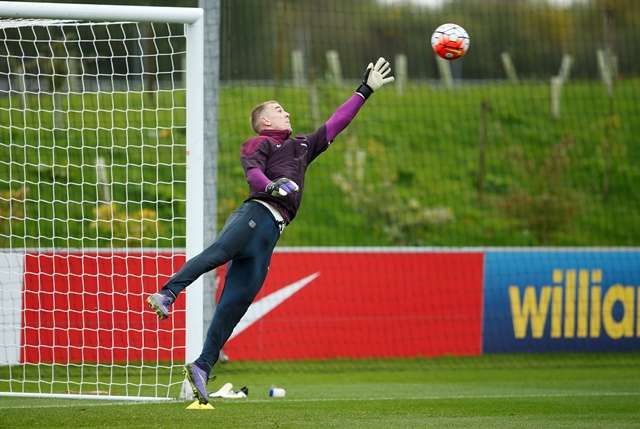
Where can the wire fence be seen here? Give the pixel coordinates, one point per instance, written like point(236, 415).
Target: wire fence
point(527, 140)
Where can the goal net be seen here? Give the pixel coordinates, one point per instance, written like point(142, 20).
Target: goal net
point(95, 115)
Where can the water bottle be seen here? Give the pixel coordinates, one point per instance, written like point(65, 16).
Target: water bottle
point(277, 392)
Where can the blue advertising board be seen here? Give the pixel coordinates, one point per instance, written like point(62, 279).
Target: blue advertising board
point(558, 300)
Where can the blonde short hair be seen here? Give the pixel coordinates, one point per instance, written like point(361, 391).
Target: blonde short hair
point(257, 112)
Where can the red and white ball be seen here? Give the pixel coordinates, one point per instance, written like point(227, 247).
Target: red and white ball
point(450, 41)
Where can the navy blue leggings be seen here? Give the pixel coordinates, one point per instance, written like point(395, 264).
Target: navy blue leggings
point(247, 240)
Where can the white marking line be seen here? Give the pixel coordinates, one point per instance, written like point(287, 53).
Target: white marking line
point(444, 397)
point(411, 398)
point(78, 404)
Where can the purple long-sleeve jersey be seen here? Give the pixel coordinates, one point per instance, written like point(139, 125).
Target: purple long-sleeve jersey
point(274, 154)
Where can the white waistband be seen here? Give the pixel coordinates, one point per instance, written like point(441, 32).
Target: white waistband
point(274, 212)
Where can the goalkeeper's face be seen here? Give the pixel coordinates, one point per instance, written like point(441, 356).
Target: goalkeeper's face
point(276, 118)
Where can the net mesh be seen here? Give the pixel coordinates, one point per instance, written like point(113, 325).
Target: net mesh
point(92, 186)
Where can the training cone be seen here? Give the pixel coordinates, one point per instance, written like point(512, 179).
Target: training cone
point(196, 405)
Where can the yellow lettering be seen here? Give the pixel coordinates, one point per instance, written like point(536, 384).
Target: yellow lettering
point(638, 314)
point(556, 309)
point(529, 309)
point(570, 304)
point(596, 299)
point(557, 276)
point(618, 329)
point(583, 302)
point(556, 312)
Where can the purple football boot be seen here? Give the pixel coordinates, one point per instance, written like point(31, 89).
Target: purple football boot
point(198, 379)
point(160, 303)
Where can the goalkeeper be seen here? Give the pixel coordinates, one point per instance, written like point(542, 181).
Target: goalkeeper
point(274, 163)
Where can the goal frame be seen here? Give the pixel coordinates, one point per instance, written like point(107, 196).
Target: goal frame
point(194, 84)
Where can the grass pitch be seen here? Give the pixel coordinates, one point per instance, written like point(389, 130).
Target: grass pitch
point(524, 391)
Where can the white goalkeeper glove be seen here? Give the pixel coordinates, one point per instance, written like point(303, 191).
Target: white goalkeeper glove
point(375, 76)
point(281, 187)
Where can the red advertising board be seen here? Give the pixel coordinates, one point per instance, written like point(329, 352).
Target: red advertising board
point(89, 307)
point(367, 304)
point(314, 305)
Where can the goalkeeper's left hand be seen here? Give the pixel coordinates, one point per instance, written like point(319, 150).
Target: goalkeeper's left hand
point(375, 76)
point(281, 187)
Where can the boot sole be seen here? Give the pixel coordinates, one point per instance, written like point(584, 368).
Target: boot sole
point(156, 308)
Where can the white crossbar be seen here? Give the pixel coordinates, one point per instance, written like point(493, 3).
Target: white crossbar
point(184, 15)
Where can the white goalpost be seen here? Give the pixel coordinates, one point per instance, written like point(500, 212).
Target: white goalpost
point(101, 197)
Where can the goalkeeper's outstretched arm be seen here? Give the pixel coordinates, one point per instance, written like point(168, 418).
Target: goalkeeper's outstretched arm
point(375, 76)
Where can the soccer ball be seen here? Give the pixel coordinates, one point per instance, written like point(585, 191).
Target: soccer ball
point(450, 41)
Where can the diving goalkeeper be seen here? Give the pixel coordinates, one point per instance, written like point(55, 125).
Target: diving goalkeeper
point(274, 163)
